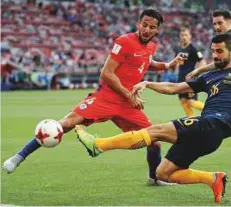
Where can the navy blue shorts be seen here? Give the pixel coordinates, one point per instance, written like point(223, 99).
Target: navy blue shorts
point(197, 136)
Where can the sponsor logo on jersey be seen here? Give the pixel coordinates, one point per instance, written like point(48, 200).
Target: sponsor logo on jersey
point(83, 106)
point(116, 49)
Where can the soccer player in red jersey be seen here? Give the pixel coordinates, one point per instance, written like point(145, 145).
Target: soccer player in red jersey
point(130, 58)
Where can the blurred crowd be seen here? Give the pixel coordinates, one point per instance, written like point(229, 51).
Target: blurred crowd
point(74, 37)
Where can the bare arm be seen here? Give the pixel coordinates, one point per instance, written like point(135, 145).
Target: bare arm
point(169, 88)
point(200, 70)
point(163, 87)
point(155, 66)
point(206, 68)
point(110, 78)
point(202, 63)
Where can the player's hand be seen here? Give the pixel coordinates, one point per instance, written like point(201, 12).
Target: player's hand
point(137, 102)
point(178, 60)
point(192, 75)
point(139, 88)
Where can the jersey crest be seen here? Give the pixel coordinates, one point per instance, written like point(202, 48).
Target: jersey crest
point(116, 48)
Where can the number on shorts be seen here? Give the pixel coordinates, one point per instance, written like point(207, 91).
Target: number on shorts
point(189, 121)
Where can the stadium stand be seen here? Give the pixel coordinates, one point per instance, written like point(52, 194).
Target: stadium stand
point(63, 44)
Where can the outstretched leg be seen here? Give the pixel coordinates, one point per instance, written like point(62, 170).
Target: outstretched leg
point(68, 123)
point(129, 140)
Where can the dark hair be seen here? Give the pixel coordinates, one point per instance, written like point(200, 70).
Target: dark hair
point(153, 13)
point(225, 13)
point(226, 38)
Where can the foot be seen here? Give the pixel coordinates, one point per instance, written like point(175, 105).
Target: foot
point(87, 140)
point(219, 186)
point(12, 163)
point(154, 182)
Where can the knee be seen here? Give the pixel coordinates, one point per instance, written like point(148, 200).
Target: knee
point(66, 125)
point(162, 174)
point(69, 121)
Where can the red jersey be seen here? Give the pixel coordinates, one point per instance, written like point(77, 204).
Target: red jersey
point(134, 59)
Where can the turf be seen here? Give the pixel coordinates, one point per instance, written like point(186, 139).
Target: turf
point(66, 175)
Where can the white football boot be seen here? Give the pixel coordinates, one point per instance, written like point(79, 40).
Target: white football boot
point(12, 163)
point(154, 182)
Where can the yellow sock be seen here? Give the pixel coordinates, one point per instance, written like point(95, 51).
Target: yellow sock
point(198, 105)
point(128, 140)
point(188, 110)
point(190, 176)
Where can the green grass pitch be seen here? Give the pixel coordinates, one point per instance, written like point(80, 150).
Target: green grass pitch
point(66, 175)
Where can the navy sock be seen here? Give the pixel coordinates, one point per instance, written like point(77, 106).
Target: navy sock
point(31, 146)
point(154, 159)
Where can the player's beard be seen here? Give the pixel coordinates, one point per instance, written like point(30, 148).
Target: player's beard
point(145, 41)
point(221, 64)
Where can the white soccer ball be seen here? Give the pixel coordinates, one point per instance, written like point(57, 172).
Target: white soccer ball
point(49, 133)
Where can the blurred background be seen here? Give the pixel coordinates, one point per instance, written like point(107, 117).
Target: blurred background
point(63, 44)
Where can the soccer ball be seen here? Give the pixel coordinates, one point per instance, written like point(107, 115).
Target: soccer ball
point(49, 133)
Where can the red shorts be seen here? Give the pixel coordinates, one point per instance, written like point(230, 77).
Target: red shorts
point(96, 109)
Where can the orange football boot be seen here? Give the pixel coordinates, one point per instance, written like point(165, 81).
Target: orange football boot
point(219, 186)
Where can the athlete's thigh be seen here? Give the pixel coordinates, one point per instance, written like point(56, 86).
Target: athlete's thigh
point(96, 109)
point(130, 119)
point(165, 132)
